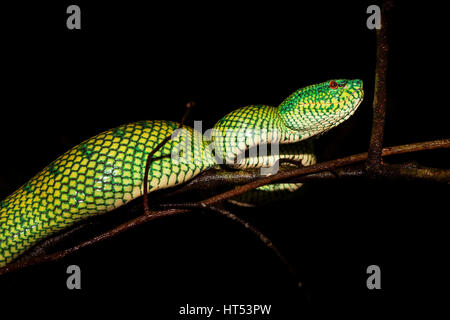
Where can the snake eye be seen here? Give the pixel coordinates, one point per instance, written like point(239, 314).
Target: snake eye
point(333, 84)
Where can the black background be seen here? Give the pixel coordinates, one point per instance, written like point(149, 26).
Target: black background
point(132, 61)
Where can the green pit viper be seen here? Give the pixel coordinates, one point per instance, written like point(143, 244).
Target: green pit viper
point(107, 170)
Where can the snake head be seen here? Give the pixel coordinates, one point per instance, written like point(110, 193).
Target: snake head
point(320, 107)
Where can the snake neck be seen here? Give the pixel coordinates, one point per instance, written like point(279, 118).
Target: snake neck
point(248, 127)
point(256, 120)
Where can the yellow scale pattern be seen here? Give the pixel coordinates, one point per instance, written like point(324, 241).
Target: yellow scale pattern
point(98, 175)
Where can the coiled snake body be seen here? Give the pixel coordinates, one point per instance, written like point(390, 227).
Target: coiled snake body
point(107, 170)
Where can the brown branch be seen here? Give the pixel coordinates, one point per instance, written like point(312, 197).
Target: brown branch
point(321, 170)
point(214, 178)
point(374, 165)
point(325, 166)
point(20, 264)
point(43, 247)
point(415, 172)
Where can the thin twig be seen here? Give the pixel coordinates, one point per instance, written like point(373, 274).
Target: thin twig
point(267, 242)
point(150, 158)
point(247, 225)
